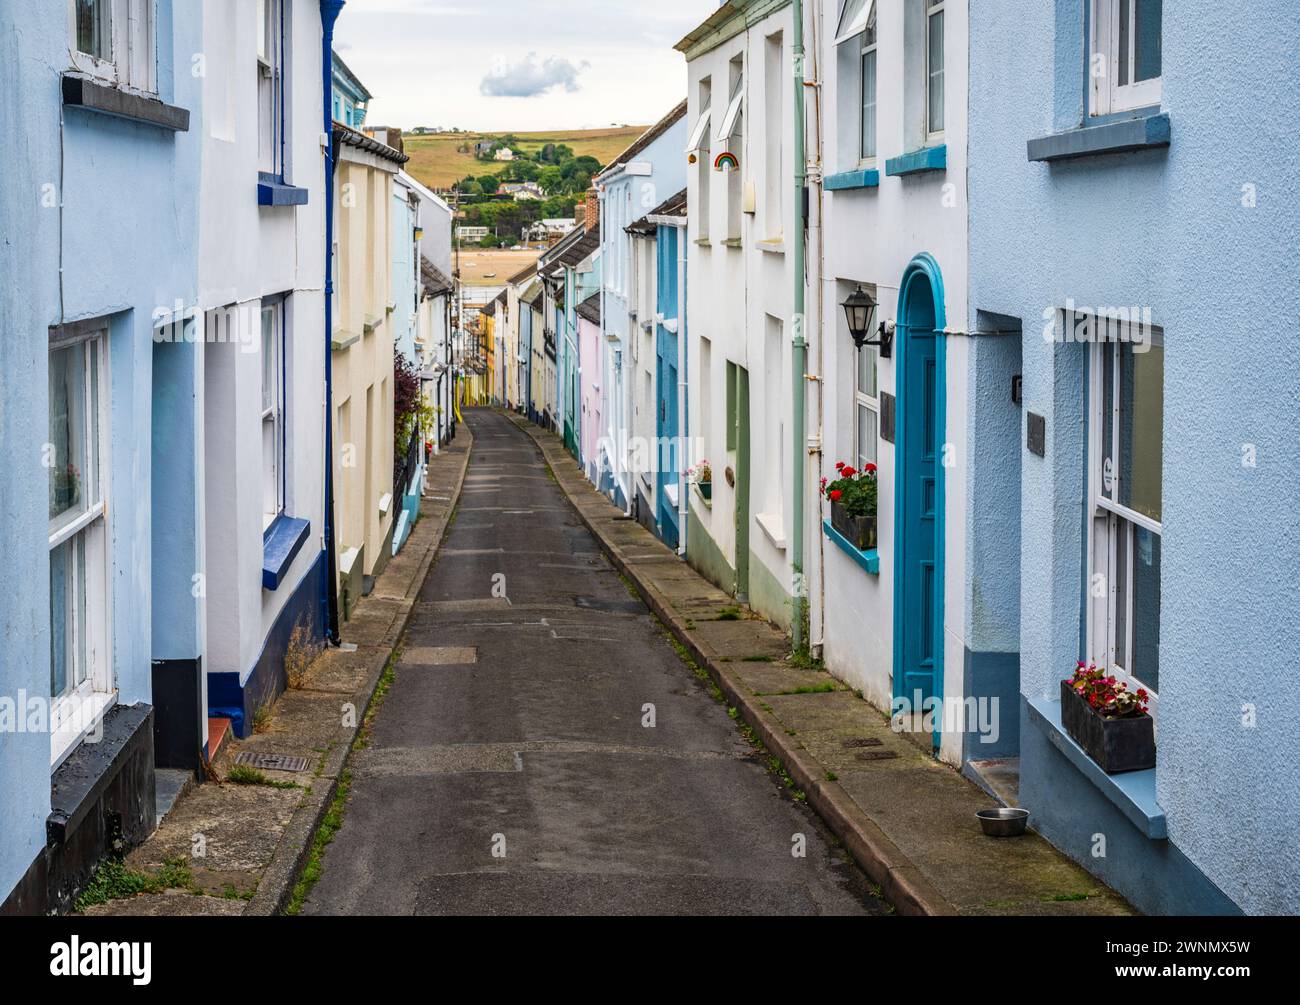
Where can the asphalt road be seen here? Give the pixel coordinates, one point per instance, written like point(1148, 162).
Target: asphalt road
point(511, 769)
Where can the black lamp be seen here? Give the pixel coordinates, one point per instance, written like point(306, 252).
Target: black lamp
point(861, 311)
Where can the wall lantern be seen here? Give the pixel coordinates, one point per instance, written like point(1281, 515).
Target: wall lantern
point(861, 312)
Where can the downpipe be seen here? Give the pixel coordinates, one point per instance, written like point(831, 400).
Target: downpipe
point(800, 345)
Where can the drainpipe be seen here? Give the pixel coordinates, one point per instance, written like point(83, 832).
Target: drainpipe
point(683, 503)
point(800, 353)
point(329, 12)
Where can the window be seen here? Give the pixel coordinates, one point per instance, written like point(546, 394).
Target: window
point(270, 87)
point(80, 673)
point(702, 149)
point(868, 135)
point(731, 136)
point(934, 68)
point(1125, 64)
point(114, 40)
point(866, 408)
point(273, 424)
point(773, 94)
point(1126, 454)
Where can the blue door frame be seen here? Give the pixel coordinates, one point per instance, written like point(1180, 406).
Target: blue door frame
point(668, 381)
point(919, 532)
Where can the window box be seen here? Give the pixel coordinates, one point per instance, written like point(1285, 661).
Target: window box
point(1116, 744)
point(868, 560)
point(1145, 132)
point(272, 191)
point(860, 531)
point(281, 543)
point(918, 161)
point(705, 490)
point(107, 99)
point(845, 180)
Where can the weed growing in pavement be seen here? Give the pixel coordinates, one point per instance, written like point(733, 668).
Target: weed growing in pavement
point(329, 826)
point(242, 774)
point(113, 880)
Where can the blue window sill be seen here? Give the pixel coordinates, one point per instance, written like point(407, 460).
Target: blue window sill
point(852, 179)
point(1133, 793)
point(281, 543)
point(272, 191)
point(1143, 132)
point(105, 99)
point(919, 161)
point(869, 560)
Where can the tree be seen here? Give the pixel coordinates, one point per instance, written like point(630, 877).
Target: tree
point(489, 183)
point(551, 179)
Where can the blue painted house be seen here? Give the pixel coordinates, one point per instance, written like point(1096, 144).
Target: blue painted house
point(350, 99)
point(1132, 214)
point(98, 429)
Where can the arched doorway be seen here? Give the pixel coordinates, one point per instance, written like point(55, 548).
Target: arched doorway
point(919, 485)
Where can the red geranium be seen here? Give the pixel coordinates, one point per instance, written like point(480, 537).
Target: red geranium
point(1111, 698)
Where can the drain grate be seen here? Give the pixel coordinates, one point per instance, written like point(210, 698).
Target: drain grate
point(864, 741)
point(874, 755)
point(272, 762)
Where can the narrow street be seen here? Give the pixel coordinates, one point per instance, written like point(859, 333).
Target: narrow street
point(510, 769)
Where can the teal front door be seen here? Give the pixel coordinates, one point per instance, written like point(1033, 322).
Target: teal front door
point(919, 534)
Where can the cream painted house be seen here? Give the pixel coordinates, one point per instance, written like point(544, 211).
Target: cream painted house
point(362, 347)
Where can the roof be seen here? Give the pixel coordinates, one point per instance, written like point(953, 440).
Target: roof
point(433, 280)
point(552, 254)
point(646, 138)
point(488, 309)
point(350, 136)
point(588, 241)
point(729, 20)
point(589, 309)
point(532, 294)
point(673, 206)
point(522, 274)
point(342, 69)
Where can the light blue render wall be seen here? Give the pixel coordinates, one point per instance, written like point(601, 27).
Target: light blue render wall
point(403, 292)
point(127, 229)
point(1168, 229)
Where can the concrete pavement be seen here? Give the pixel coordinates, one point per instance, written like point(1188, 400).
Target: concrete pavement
point(543, 748)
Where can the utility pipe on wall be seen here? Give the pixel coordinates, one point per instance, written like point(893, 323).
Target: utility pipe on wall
point(329, 12)
point(800, 347)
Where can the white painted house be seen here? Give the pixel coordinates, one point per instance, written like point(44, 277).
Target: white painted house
point(740, 288)
point(261, 271)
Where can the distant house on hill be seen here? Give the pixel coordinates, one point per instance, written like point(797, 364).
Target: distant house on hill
point(483, 148)
point(504, 154)
point(522, 191)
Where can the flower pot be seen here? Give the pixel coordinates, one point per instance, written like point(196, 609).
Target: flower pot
point(1117, 745)
point(860, 530)
point(706, 489)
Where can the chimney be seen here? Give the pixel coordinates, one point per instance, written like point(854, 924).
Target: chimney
point(592, 214)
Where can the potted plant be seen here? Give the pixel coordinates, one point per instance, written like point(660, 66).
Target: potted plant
point(853, 504)
point(1110, 722)
point(702, 475)
point(65, 490)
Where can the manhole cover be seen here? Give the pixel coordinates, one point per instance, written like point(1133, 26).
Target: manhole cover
point(272, 762)
point(874, 755)
point(863, 741)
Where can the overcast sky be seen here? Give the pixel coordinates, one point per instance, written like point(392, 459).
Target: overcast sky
point(518, 64)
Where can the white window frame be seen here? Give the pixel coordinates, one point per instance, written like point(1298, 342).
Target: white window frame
point(935, 8)
point(869, 39)
point(1108, 520)
point(1106, 95)
point(727, 128)
point(865, 402)
point(272, 409)
point(270, 75)
point(132, 42)
point(74, 713)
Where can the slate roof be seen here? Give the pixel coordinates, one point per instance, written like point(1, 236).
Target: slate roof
point(353, 138)
point(673, 206)
point(433, 280)
point(646, 138)
point(589, 309)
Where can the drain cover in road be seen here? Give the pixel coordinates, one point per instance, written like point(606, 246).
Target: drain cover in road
point(437, 656)
point(271, 762)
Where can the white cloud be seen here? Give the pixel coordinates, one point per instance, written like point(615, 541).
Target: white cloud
point(529, 78)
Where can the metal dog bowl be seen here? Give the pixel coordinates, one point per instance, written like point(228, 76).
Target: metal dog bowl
point(1005, 821)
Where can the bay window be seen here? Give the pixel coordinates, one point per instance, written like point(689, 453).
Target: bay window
point(81, 682)
point(1125, 65)
point(1125, 489)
